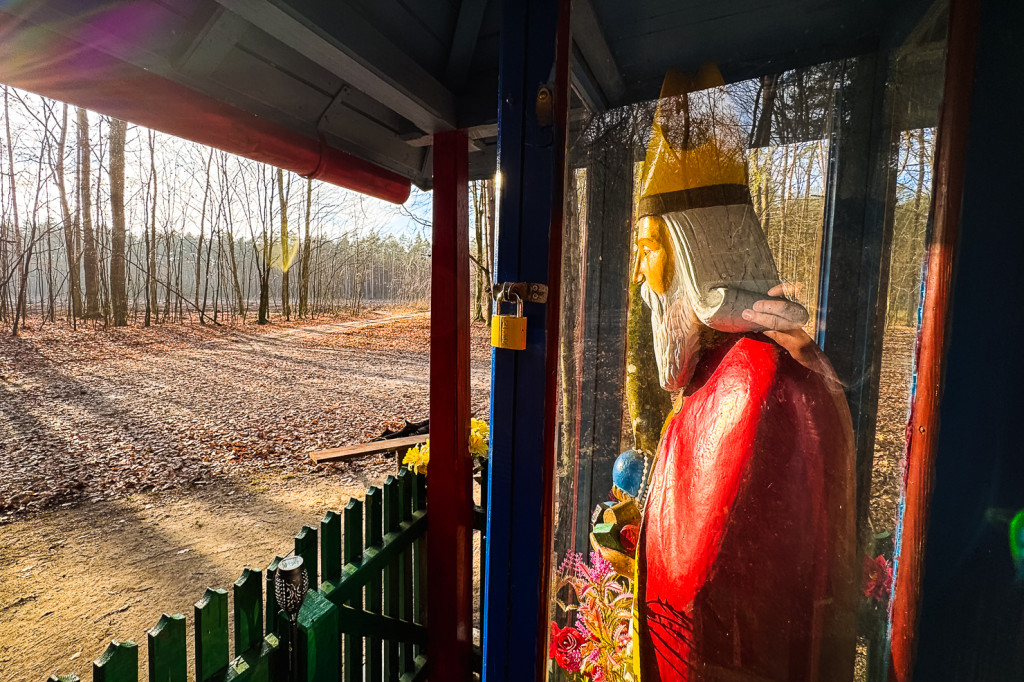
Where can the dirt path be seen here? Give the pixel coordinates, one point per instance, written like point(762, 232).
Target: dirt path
point(138, 468)
point(97, 415)
point(72, 580)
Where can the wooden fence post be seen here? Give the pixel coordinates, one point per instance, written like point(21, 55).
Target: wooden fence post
point(168, 656)
point(211, 619)
point(119, 663)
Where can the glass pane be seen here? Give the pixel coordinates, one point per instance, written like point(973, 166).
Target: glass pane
point(727, 490)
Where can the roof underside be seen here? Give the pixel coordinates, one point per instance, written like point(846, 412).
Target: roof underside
point(376, 78)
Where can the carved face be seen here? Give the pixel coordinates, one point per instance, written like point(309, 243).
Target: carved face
point(677, 332)
point(655, 262)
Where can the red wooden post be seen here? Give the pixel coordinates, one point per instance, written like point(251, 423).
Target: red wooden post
point(923, 429)
point(449, 488)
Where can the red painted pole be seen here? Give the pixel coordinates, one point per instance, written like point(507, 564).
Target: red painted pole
point(449, 491)
point(923, 429)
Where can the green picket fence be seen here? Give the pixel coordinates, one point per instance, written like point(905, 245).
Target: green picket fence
point(362, 619)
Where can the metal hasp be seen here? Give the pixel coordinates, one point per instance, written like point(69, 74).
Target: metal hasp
point(529, 292)
point(534, 35)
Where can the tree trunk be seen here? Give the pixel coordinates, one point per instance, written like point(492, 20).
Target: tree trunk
point(70, 228)
point(202, 223)
point(152, 231)
point(14, 205)
point(118, 281)
point(286, 260)
point(479, 197)
point(90, 259)
point(304, 265)
point(489, 190)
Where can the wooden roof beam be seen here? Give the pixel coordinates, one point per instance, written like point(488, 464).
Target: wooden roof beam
point(467, 32)
point(361, 56)
point(597, 57)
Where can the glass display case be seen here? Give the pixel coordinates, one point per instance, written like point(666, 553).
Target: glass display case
point(741, 294)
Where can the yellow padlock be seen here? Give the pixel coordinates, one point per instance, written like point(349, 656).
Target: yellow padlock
point(509, 331)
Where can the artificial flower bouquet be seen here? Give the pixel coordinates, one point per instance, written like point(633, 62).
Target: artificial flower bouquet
point(418, 457)
point(597, 643)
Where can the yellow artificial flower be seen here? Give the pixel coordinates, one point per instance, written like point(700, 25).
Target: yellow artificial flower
point(477, 445)
point(418, 457)
point(479, 426)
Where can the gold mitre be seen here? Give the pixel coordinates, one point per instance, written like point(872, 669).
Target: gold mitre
point(696, 156)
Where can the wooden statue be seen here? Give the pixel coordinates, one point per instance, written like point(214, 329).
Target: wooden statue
point(745, 561)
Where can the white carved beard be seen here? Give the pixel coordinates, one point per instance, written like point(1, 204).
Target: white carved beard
point(676, 334)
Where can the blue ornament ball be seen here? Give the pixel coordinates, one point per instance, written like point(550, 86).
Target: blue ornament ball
point(628, 472)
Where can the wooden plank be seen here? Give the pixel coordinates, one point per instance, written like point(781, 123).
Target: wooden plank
point(168, 654)
point(306, 547)
point(270, 618)
point(330, 547)
point(353, 666)
point(450, 501)
point(392, 607)
point(119, 663)
point(374, 538)
point(248, 610)
point(211, 619)
point(363, 449)
point(319, 642)
point(356, 52)
point(375, 559)
point(257, 664)
point(406, 482)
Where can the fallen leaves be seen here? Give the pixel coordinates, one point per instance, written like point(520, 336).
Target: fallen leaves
point(92, 414)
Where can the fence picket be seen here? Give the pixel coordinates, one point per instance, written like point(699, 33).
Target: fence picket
point(319, 639)
point(119, 663)
point(419, 503)
point(353, 556)
point(392, 584)
point(211, 619)
point(330, 548)
point(405, 493)
point(168, 656)
point(248, 610)
point(306, 547)
point(374, 538)
point(270, 619)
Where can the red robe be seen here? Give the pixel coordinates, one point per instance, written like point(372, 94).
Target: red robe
point(746, 567)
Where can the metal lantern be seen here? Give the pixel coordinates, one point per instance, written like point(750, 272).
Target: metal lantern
point(291, 582)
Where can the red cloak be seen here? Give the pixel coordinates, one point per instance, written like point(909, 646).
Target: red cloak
point(746, 566)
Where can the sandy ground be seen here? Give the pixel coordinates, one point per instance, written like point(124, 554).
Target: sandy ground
point(138, 469)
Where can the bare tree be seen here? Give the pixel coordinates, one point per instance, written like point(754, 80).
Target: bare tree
point(304, 264)
point(118, 287)
point(90, 259)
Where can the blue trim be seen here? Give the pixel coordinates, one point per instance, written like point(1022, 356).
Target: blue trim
point(515, 556)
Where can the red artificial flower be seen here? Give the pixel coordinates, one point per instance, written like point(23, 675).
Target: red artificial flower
point(566, 645)
point(877, 578)
point(628, 536)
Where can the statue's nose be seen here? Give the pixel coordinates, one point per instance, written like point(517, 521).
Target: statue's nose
point(638, 275)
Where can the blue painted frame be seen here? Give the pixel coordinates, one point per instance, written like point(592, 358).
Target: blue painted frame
point(529, 202)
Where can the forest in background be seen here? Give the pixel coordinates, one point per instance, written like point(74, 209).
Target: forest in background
point(102, 220)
